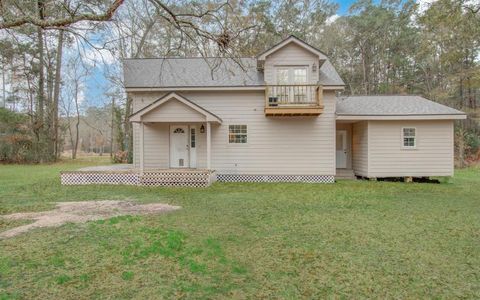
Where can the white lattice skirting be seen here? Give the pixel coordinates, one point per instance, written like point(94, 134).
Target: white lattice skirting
point(200, 178)
point(276, 178)
point(176, 179)
point(179, 179)
point(85, 178)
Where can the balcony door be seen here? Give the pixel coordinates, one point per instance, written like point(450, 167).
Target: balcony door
point(292, 85)
point(296, 75)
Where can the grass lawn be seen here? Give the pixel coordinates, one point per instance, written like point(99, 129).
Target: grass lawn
point(346, 240)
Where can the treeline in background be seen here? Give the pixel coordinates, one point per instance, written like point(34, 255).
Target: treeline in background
point(49, 61)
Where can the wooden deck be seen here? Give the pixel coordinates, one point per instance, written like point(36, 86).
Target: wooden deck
point(293, 100)
point(293, 111)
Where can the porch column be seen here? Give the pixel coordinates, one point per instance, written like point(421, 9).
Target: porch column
point(142, 161)
point(209, 145)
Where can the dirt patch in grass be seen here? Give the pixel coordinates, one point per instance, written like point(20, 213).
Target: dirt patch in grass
point(81, 212)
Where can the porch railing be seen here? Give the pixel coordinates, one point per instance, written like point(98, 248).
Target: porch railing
point(292, 95)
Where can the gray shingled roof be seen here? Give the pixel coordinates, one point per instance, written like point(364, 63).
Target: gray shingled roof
point(198, 72)
point(328, 75)
point(392, 105)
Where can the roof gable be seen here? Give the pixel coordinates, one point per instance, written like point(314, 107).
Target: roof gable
point(298, 42)
point(191, 109)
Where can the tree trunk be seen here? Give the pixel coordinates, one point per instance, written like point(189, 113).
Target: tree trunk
point(77, 125)
point(56, 94)
point(41, 80)
point(77, 134)
point(112, 128)
point(4, 97)
point(364, 72)
point(461, 146)
point(39, 122)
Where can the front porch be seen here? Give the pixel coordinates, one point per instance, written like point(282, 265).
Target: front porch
point(129, 175)
point(172, 148)
point(173, 133)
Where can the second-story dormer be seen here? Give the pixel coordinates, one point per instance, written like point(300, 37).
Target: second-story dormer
point(296, 74)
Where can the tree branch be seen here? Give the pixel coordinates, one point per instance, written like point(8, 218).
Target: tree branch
point(62, 22)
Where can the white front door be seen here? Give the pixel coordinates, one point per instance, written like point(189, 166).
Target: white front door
point(179, 154)
point(341, 149)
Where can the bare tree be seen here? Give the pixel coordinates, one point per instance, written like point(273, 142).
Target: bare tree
point(71, 97)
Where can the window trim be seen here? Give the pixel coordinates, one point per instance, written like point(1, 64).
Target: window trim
point(415, 137)
point(234, 143)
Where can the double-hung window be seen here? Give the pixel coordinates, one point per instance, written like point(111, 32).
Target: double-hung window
point(237, 134)
point(409, 137)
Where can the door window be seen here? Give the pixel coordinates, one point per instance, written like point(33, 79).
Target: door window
point(179, 130)
point(300, 75)
point(282, 76)
point(192, 138)
point(340, 145)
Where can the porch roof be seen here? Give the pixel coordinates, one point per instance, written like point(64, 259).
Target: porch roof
point(187, 111)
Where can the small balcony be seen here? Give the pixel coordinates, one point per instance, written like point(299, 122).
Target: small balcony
point(293, 100)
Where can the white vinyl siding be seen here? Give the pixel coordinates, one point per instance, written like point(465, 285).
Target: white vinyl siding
point(276, 145)
point(156, 149)
point(432, 155)
point(173, 111)
point(360, 148)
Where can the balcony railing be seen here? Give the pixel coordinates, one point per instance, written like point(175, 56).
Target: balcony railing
point(293, 100)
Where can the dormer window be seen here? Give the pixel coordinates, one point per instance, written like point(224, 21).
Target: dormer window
point(291, 75)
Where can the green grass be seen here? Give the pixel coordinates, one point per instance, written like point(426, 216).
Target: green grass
point(347, 240)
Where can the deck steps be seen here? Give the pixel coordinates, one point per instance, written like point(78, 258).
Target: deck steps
point(345, 174)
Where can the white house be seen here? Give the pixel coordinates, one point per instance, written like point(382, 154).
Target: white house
point(277, 117)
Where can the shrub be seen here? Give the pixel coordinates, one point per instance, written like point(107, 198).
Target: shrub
point(16, 141)
point(120, 157)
